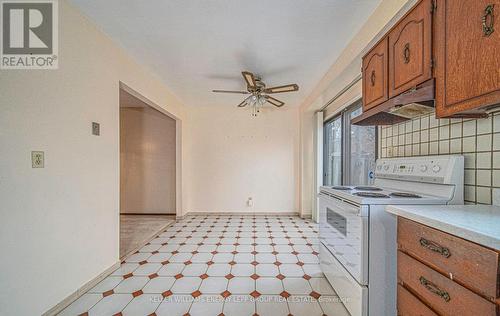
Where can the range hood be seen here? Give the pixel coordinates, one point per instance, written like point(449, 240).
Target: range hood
point(410, 104)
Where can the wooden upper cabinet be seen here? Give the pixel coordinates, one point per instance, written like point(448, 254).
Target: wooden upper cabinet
point(467, 52)
point(410, 49)
point(375, 76)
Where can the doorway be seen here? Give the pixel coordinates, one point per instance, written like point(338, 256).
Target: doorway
point(148, 146)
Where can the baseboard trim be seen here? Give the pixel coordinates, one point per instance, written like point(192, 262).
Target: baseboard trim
point(292, 213)
point(80, 291)
point(149, 214)
point(90, 284)
point(306, 216)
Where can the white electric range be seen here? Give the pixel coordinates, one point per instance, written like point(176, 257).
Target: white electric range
point(358, 238)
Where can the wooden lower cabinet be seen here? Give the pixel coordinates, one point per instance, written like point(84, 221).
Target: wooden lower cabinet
point(441, 294)
point(467, 262)
point(429, 259)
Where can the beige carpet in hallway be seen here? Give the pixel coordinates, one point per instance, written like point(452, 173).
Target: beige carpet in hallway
point(135, 230)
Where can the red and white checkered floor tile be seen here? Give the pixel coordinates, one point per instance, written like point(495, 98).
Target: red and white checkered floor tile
point(220, 265)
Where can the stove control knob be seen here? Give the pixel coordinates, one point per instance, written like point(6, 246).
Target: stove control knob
point(423, 168)
point(436, 168)
point(386, 167)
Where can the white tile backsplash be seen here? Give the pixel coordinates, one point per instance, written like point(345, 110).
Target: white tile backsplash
point(444, 132)
point(478, 140)
point(496, 196)
point(484, 126)
point(469, 128)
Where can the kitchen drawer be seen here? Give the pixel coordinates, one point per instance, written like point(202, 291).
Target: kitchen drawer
point(472, 265)
point(409, 305)
point(440, 293)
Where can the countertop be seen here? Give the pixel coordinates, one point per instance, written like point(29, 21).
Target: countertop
point(476, 223)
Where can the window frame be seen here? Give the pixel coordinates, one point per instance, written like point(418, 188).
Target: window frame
point(345, 125)
point(325, 146)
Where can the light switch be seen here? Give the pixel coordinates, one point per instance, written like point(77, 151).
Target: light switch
point(37, 159)
point(96, 129)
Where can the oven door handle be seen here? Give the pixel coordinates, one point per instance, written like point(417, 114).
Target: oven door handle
point(343, 207)
point(349, 210)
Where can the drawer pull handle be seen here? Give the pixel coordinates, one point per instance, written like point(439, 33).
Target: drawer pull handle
point(372, 78)
point(434, 289)
point(406, 53)
point(445, 252)
point(487, 20)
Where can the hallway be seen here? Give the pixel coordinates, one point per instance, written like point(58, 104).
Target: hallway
point(220, 264)
point(136, 230)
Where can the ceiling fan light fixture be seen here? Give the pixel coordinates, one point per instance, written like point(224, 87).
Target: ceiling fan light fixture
point(259, 93)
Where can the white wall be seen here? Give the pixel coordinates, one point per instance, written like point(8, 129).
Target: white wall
point(59, 225)
point(235, 156)
point(342, 72)
point(147, 161)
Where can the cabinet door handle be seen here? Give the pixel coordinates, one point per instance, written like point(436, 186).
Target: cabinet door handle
point(445, 252)
point(406, 53)
point(434, 289)
point(488, 19)
point(372, 78)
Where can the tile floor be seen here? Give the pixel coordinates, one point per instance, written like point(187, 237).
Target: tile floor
point(219, 265)
point(135, 230)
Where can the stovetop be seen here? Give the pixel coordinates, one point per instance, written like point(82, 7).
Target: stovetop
point(409, 180)
point(380, 195)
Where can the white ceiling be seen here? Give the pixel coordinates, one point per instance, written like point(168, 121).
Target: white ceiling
point(198, 45)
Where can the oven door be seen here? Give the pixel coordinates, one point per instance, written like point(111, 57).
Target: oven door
point(344, 232)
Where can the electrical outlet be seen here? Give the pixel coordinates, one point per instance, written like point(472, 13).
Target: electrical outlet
point(37, 159)
point(250, 202)
point(96, 129)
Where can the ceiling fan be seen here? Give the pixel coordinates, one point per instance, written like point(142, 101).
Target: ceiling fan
point(259, 94)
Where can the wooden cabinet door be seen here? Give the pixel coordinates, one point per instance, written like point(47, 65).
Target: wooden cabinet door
point(375, 80)
point(410, 49)
point(467, 52)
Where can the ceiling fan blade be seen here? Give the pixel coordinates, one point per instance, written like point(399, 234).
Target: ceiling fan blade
point(274, 101)
point(244, 103)
point(249, 78)
point(285, 88)
point(230, 91)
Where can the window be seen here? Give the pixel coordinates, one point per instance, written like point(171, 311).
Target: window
point(333, 152)
point(349, 150)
